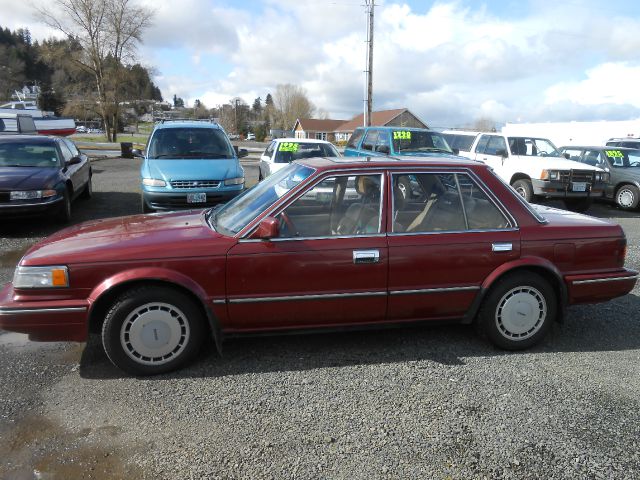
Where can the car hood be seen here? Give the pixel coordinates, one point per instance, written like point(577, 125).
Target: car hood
point(27, 178)
point(137, 237)
point(557, 163)
point(188, 169)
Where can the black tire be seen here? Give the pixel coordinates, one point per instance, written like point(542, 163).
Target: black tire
point(527, 295)
point(579, 205)
point(64, 211)
point(87, 193)
point(145, 207)
point(627, 197)
point(260, 177)
point(524, 189)
point(140, 320)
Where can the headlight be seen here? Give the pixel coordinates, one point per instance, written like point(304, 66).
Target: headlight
point(550, 175)
point(234, 181)
point(154, 182)
point(41, 277)
point(602, 177)
point(31, 194)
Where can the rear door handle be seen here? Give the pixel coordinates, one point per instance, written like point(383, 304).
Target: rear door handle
point(501, 247)
point(366, 256)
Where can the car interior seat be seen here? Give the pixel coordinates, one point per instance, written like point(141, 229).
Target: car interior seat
point(364, 216)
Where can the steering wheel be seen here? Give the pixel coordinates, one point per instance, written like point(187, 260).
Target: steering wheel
point(542, 153)
point(291, 228)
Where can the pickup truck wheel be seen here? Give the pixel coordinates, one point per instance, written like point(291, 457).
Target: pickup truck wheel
point(524, 189)
point(518, 311)
point(627, 197)
point(150, 330)
point(579, 205)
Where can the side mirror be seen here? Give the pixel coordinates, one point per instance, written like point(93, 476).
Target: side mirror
point(384, 149)
point(267, 228)
point(243, 152)
point(73, 161)
point(501, 152)
point(137, 153)
point(566, 155)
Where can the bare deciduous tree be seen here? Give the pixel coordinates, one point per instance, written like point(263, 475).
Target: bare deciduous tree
point(291, 103)
point(108, 32)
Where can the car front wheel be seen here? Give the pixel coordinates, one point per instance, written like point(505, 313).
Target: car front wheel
point(524, 189)
point(627, 197)
point(518, 311)
point(150, 330)
point(64, 212)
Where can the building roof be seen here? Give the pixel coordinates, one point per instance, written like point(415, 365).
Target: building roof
point(317, 125)
point(379, 119)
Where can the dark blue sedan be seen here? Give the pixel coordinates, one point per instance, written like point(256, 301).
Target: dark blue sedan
point(41, 175)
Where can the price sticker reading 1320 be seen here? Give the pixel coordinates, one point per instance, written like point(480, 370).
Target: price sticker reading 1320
point(402, 135)
point(288, 147)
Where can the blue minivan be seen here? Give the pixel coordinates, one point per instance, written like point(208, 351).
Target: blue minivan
point(372, 141)
point(189, 164)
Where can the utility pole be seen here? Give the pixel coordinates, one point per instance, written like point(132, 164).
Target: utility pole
point(370, 4)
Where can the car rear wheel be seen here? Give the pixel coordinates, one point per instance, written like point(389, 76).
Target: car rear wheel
point(524, 189)
point(518, 311)
point(627, 197)
point(151, 330)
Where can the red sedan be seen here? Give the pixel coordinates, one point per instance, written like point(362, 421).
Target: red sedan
point(322, 243)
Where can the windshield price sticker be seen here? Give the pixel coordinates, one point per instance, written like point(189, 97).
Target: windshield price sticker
point(402, 135)
point(614, 154)
point(288, 147)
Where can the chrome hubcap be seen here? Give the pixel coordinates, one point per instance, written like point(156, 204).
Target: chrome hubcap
point(154, 333)
point(522, 192)
point(625, 198)
point(521, 313)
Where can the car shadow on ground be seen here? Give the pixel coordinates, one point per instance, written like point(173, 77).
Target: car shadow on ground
point(589, 328)
point(101, 205)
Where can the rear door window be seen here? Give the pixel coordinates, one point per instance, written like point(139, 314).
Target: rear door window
point(370, 140)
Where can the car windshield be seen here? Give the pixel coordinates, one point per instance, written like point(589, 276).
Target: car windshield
point(623, 158)
point(289, 151)
point(236, 214)
point(416, 141)
point(205, 143)
point(533, 147)
point(25, 154)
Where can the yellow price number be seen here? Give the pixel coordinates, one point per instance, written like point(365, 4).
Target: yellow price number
point(614, 154)
point(288, 147)
point(402, 135)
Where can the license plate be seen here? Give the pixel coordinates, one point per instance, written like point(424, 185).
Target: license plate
point(579, 186)
point(197, 197)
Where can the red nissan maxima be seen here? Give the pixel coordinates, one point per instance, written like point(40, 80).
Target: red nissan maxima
point(322, 243)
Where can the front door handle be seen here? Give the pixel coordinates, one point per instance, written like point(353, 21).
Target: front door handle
point(366, 256)
point(501, 247)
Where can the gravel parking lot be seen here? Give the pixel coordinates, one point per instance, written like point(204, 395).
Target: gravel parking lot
point(431, 402)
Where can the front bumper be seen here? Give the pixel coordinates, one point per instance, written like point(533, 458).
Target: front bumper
point(558, 189)
point(46, 320)
point(177, 200)
point(29, 208)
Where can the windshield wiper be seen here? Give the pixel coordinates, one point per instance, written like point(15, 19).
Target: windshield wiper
point(210, 217)
point(205, 155)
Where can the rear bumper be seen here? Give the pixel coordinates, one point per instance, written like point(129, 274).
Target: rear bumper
point(600, 287)
point(44, 321)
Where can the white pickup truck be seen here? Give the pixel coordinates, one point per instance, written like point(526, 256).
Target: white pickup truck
point(533, 167)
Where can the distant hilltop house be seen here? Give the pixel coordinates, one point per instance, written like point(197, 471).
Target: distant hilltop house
point(341, 130)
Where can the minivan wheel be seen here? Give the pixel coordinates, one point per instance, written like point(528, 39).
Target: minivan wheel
point(518, 311)
point(150, 330)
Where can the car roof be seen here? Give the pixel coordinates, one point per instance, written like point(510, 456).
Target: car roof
point(187, 124)
point(448, 161)
point(599, 147)
point(299, 140)
point(468, 133)
point(384, 127)
point(30, 138)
